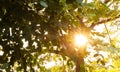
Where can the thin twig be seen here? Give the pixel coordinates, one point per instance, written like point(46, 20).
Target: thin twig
point(108, 34)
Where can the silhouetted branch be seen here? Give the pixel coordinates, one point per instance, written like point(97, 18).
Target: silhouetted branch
point(103, 21)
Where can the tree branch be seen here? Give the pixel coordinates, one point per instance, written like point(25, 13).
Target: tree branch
point(103, 21)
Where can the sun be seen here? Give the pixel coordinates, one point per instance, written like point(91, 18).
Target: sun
point(80, 40)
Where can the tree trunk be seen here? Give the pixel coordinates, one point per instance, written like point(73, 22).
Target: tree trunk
point(80, 65)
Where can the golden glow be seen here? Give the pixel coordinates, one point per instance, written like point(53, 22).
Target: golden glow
point(80, 40)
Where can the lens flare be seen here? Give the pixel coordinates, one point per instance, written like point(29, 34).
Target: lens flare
point(80, 40)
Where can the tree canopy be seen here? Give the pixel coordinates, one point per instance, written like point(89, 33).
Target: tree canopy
point(36, 32)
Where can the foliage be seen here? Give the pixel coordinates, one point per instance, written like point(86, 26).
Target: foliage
point(30, 28)
point(104, 55)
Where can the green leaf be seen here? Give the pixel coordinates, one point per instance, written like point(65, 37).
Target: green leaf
point(5, 65)
point(79, 1)
point(63, 1)
point(44, 4)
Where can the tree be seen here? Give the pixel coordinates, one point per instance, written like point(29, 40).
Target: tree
point(30, 28)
